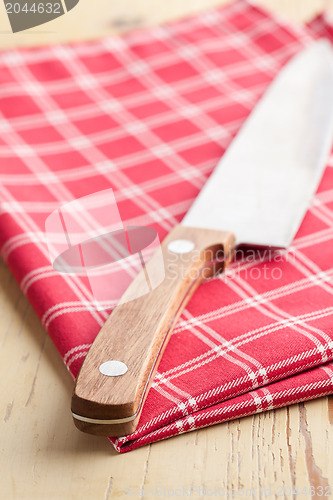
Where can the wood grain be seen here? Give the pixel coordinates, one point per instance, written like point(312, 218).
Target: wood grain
point(43, 456)
point(137, 331)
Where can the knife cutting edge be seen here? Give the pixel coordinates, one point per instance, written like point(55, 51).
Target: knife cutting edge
point(258, 195)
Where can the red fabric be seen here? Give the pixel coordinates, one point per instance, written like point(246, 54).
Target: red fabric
point(150, 115)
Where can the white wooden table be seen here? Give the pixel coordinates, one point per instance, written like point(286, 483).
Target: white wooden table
point(44, 457)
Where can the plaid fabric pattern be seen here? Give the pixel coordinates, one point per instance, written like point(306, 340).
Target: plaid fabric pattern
point(150, 115)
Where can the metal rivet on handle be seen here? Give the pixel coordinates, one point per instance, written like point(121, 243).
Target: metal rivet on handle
point(181, 246)
point(113, 368)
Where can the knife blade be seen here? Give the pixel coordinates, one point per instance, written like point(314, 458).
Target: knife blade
point(294, 137)
point(258, 194)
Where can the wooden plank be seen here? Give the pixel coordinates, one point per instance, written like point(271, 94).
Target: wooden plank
point(45, 457)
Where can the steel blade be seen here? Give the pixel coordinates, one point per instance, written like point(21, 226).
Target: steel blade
point(262, 186)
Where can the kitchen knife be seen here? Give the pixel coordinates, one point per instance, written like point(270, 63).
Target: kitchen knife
point(257, 194)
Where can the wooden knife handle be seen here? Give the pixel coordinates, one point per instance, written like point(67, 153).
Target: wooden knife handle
point(137, 331)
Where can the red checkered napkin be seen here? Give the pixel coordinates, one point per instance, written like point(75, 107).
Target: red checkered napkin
point(149, 115)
